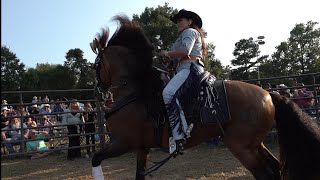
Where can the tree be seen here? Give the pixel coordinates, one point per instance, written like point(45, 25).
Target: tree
point(157, 25)
point(304, 47)
point(299, 54)
point(212, 64)
point(12, 70)
point(244, 52)
point(81, 69)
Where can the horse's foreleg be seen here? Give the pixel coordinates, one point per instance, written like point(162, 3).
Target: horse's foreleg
point(115, 149)
point(141, 162)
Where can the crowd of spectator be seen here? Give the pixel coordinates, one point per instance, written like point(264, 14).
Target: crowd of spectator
point(37, 126)
point(300, 94)
point(40, 117)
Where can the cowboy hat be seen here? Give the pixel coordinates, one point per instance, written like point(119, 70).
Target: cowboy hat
point(189, 15)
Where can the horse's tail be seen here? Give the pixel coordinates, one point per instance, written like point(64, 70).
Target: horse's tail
point(299, 139)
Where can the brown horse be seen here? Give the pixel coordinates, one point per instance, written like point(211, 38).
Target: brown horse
point(124, 67)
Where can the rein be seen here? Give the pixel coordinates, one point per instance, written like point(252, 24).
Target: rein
point(120, 103)
point(157, 165)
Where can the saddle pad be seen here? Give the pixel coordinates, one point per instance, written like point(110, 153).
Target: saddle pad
point(219, 113)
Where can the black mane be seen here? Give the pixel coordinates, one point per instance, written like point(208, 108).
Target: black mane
point(300, 154)
point(130, 35)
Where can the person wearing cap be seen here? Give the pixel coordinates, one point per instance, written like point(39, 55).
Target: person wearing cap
point(14, 131)
point(189, 50)
point(45, 109)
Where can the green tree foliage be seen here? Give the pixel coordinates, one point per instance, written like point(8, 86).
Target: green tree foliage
point(245, 50)
point(157, 25)
point(162, 33)
point(300, 53)
point(81, 69)
point(48, 77)
point(12, 70)
point(212, 64)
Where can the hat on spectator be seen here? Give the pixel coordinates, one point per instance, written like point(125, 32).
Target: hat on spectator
point(34, 105)
point(282, 86)
point(5, 108)
point(46, 105)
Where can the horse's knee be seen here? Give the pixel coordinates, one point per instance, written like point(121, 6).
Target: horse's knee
point(96, 160)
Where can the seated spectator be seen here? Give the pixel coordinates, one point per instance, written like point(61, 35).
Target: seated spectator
point(15, 134)
point(21, 111)
point(45, 129)
point(34, 111)
point(302, 100)
point(46, 99)
point(45, 109)
point(59, 108)
point(35, 99)
point(38, 146)
point(268, 87)
point(284, 92)
point(4, 113)
point(30, 123)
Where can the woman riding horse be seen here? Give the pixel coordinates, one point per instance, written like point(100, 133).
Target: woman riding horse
point(124, 68)
point(188, 49)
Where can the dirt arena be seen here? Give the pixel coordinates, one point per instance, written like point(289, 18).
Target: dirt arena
point(201, 162)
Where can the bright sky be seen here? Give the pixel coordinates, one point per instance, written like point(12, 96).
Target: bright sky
point(42, 31)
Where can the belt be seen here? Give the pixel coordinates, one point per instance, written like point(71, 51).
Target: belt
point(186, 61)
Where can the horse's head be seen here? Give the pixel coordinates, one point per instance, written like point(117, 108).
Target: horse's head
point(124, 61)
point(102, 82)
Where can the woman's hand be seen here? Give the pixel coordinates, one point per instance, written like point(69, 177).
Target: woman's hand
point(164, 54)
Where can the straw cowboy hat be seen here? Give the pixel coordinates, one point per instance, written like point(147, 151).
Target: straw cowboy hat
point(189, 15)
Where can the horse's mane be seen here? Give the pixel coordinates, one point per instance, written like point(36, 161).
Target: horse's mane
point(299, 139)
point(130, 35)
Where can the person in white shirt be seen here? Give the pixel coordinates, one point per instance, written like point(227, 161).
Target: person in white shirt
point(73, 119)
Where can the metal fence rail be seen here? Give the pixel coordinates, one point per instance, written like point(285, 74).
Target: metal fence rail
point(60, 134)
point(314, 86)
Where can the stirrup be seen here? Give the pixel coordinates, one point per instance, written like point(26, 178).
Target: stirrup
point(179, 147)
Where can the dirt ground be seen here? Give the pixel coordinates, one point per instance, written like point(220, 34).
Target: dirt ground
point(201, 162)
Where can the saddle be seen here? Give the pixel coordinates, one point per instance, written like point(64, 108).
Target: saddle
point(204, 103)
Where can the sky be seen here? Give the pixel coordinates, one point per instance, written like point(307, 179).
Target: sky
point(43, 31)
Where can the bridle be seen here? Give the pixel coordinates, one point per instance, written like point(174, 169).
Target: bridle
point(101, 90)
point(104, 92)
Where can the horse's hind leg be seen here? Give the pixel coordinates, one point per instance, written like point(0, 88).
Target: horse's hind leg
point(254, 160)
point(117, 148)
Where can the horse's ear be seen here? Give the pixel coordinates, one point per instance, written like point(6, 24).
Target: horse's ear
point(93, 46)
point(97, 44)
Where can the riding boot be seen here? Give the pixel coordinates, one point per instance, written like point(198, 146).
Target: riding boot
point(179, 147)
